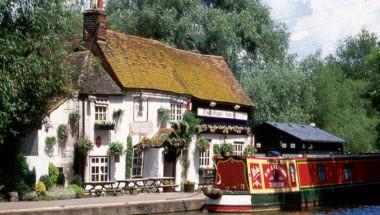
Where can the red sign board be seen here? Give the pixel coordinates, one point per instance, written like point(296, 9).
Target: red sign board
point(276, 175)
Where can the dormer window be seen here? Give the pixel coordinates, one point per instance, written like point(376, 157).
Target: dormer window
point(101, 106)
point(175, 112)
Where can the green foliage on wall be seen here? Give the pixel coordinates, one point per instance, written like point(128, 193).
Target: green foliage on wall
point(129, 157)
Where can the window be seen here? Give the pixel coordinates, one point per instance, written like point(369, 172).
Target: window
point(175, 112)
point(322, 173)
point(101, 109)
point(99, 169)
point(238, 148)
point(258, 145)
point(117, 158)
point(204, 157)
point(347, 172)
point(283, 145)
point(137, 164)
point(292, 145)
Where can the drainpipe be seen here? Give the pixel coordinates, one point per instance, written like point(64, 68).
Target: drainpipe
point(83, 115)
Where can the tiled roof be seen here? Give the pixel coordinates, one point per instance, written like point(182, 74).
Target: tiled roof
point(306, 133)
point(90, 77)
point(140, 63)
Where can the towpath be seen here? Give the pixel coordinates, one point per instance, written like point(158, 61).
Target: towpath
point(125, 204)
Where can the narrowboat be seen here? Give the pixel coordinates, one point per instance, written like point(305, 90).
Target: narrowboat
point(247, 184)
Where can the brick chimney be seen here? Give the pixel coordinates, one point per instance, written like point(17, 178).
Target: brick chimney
point(94, 24)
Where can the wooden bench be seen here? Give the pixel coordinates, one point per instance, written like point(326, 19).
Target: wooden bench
point(146, 184)
point(101, 186)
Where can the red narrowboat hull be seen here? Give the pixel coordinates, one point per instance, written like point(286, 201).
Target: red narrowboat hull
point(255, 184)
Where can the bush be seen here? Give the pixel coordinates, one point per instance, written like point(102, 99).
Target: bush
point(25, 179)
point(48, 182)
point(40, 188)
point(53, 173)
point(30, 196)
point(77, 180)
point(61, 194)
point(61, 179)
point(79, 191)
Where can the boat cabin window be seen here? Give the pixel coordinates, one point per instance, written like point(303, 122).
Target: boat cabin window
point(348, 172)
point(322, 173)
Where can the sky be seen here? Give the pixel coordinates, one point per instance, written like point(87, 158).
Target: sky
point(321, 24)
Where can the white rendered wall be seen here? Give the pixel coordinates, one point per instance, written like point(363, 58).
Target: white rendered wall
point(62, 156)
point(153, 158)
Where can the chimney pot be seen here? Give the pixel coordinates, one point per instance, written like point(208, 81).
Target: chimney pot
point(94, 26)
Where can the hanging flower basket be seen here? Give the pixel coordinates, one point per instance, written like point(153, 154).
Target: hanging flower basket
point(223, 129)
point(105, 125)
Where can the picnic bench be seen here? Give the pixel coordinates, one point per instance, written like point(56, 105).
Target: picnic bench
point(153, 184)
point(100, 186)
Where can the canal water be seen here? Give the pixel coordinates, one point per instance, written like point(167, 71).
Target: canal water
point(370, 209)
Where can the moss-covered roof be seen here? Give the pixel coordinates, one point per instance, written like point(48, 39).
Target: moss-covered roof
point(140, 63)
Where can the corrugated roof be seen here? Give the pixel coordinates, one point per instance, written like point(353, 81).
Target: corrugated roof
point(306, 133)
point(140, 63)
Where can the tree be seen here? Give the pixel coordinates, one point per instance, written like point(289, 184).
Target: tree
point(353, 51)
point(373, 93)
point(343, 111)
point(242, 32)
point(32, 70)
point(282, 93)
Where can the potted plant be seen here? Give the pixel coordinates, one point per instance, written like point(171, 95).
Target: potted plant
point(227, 149)
point(62, 134)
point(188, 186)
point(202, 144)
point(49, 145)
point(164, 115)
point(249, 150)
point(84, 145)
point(73, 120)
point(217, 150)
point(116, 115)
point(116, 149)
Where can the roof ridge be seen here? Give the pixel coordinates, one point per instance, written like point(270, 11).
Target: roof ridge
point(219, 57)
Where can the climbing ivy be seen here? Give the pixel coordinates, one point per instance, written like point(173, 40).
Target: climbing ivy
point(128, 157)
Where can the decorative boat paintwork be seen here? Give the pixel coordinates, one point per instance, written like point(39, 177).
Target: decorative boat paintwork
point(254, 184)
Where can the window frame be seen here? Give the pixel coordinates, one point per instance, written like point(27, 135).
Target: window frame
point(240, 146)
point(135, 159)
point(101, 103)
point(204, 157)
point(95, 176)
point(321, 173)
point(176, 112)
point(348, 174)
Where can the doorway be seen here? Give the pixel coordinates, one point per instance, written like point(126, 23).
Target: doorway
point(170, 160)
